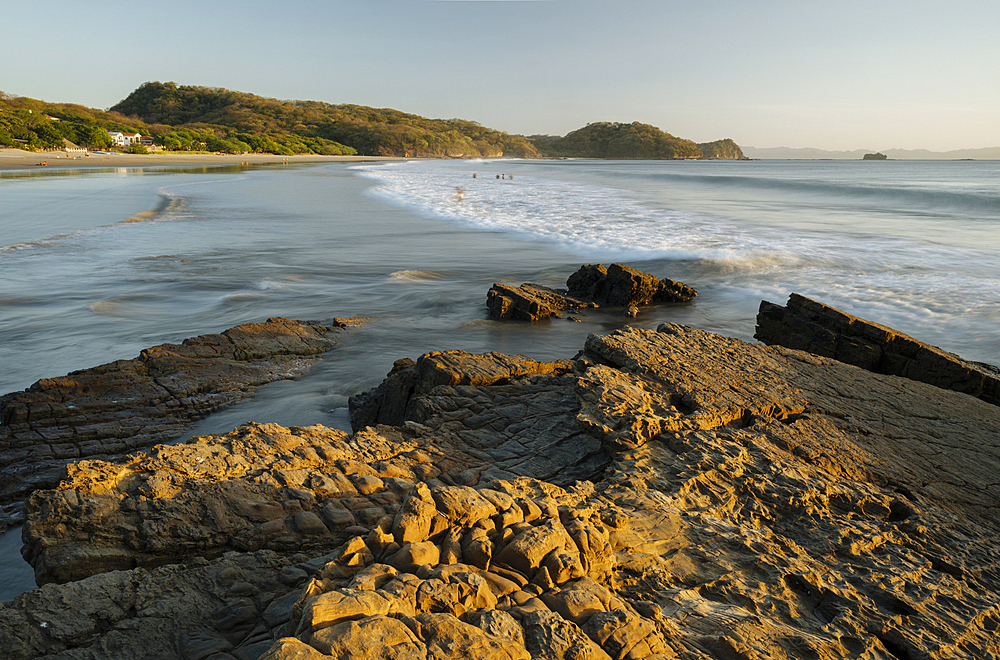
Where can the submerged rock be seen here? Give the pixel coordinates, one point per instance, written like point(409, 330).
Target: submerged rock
point(590, 286)
point(812, 326)
point(125, 405)
point(750, 502)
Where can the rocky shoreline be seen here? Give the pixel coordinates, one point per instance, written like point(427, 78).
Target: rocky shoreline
point(126, 405)
point(662, 494)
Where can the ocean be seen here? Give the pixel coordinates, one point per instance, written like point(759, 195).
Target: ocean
point(96, 265)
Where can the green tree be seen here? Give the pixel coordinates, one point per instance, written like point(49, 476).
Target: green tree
point(95, 137)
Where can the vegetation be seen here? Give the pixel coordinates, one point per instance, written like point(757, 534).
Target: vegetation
point(264, 124)
point(197, 119)
point(722, 149)
point(185, 118)
point(618, 141)
point(31, 124)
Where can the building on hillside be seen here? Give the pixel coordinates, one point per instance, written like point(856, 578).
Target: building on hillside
point(124, 140)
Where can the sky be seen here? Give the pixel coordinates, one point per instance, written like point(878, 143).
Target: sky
point(840, 75)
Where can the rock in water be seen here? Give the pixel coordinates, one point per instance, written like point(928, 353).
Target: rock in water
point(621, 286)
point(528, 302)
point(812, 326)
point(129, 404)
point(751, 501)
point(591, 286)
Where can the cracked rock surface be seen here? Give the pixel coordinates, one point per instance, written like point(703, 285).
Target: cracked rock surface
point(126, 405)
point(668, 494)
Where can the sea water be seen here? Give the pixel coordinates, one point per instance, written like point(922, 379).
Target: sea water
point(96, 265)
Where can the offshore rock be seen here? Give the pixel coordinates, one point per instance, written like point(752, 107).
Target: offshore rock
point(823, 330)
point(759, 502)
point(621, 286)
point(129, 404)
point(590, 286)
point(528, 302)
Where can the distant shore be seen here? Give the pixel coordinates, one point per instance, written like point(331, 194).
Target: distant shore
point(17, 159)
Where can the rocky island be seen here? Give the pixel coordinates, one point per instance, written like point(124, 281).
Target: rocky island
point(662, 494)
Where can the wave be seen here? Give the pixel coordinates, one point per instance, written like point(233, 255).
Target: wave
point(591, 220)
point(923, 196)
point(169, 206)
point(414, 276)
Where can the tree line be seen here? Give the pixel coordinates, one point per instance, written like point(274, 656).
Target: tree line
point(616, 140)
point(190, 118)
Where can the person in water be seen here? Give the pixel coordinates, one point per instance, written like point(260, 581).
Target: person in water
point(459, 194)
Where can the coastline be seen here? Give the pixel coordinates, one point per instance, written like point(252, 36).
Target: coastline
point(16, 159)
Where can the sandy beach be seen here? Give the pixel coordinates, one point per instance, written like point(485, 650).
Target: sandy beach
point(11, 159)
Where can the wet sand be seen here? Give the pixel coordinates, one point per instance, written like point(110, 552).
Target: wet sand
point(11, 159)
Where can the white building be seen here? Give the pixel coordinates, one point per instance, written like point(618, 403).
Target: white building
point(124, 140)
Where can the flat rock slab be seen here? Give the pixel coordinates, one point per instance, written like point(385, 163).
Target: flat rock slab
point(811, 326)
point(754, 501)
point(125, 405)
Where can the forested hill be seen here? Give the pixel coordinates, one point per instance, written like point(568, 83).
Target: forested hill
point(368, 131)
point(722, 149)
point(616, 140)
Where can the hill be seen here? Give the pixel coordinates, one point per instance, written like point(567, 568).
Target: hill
point(305, 126)
point(618, 141)
point(721, 150)
point(32, 124)
point(189, 118)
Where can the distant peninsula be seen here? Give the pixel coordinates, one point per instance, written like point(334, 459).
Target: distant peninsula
point(637, 141)
point(788, 153)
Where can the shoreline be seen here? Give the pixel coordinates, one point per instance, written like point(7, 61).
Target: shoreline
point(16, 159)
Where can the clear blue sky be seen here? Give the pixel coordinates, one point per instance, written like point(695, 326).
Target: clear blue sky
point(804, 73)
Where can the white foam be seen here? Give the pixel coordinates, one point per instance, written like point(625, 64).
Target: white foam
point(414, 276)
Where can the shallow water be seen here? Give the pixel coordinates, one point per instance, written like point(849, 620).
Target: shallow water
point(96, 266)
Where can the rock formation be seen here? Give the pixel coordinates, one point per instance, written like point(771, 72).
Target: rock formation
point(717, 500)
point(528, 302)
point(125, 405)
point(590, 286)
point(823, 330)
point(721, 149)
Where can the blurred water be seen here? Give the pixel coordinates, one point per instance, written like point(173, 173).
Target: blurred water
point(96, 266)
